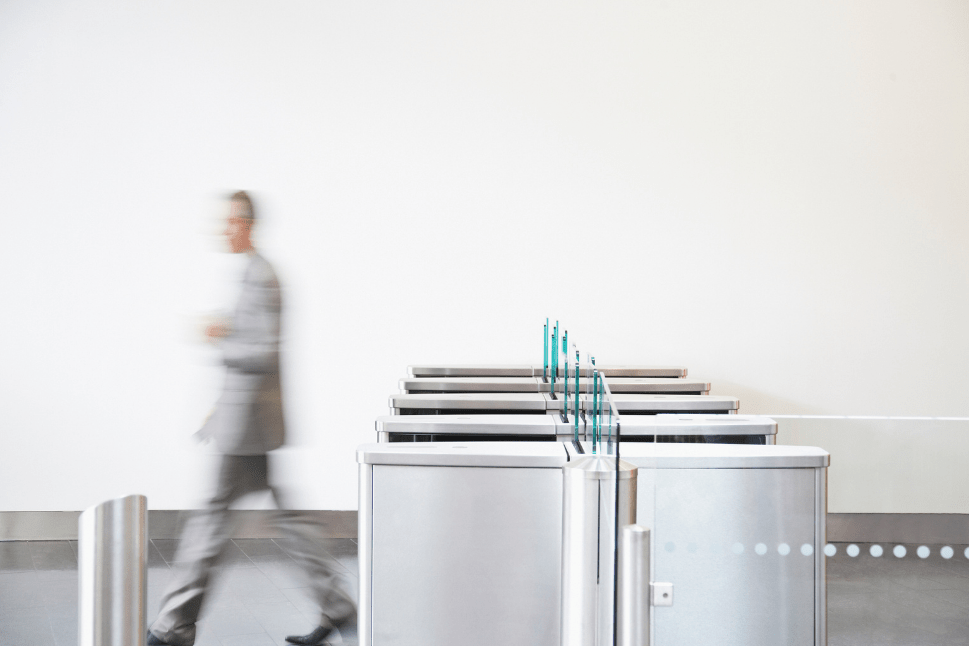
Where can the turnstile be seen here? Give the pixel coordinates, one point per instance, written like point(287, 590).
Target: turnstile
point(543, 403)
point(460, 543)
point(710, 429)
point(486, 370)
point(638, 385)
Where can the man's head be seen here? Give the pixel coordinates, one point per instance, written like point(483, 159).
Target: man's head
point(238, 227)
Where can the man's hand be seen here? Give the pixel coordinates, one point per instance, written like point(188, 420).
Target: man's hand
point(216, 331)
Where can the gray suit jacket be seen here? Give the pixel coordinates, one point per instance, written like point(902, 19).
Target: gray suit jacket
point(248, 418)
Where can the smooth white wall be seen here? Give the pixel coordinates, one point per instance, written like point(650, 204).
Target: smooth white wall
point(772, 194)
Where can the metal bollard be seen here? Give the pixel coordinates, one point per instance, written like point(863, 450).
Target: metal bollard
point(112, 579)
point(634, 588)
point(588, 543)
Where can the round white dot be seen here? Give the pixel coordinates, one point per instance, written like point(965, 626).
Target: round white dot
point(967, 552)
point(899, 551)
point(947, 552)
point(830, 550)
point(783, 549)
point(670, 547)
point(738, 548)
point(876, 550)
point(923, 552)
point(760, 548)
point(807, 549)
point(853, 550)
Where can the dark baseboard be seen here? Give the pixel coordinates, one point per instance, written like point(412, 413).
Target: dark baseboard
point(842, 528)
point(930, 529)
point(164, 523)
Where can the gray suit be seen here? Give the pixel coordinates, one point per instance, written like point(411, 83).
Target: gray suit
point(247, 423)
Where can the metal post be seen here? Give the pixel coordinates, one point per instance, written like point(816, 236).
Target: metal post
point(634, 591)
point(112, 578)
point(588, 545)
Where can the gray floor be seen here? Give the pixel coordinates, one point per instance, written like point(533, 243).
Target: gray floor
point(258, 598)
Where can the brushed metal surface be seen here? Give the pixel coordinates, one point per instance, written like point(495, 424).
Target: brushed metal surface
point(473, 370)
point(634, 587)
point(638, 385)
point(633, 403)
point(112, 573)
point(710, 527)
point(673, 424)
point(476, 401)
point(365, 553)
point(467, 424)
point(498, 370)
point(467, 454)
point(471, 384)
point(588, 545)
point(723, 456)
point(468, 556)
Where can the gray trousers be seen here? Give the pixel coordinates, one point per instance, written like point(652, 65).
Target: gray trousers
point(208, 532)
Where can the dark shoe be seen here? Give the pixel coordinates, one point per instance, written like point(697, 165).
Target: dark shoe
point(315, 638)
point(154, 641)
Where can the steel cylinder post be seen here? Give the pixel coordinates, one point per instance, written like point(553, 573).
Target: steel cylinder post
point(588, 545)
point(112, 577)
point(634, 603)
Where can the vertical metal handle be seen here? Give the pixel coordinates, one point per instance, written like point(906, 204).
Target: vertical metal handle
point(112, 577)
point(634, 588)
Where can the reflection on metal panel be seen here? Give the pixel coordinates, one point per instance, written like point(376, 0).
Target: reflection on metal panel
point(739, 545)
point(466, 555)
point(112, 578)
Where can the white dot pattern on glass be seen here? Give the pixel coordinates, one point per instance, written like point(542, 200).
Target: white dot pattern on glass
point(947, 552)
point(760, 548)
point(783, 549)
point(923, 552)
point(670, 547)
point(738, 548)
point(876, 551)
point(830, 550)
point(807, 549)
point(853, 550)
point(966, 553)
point(899, 551)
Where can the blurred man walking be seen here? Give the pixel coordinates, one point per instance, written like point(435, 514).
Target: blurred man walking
point(247, 423)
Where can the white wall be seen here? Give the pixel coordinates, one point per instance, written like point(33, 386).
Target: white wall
point(775, 194)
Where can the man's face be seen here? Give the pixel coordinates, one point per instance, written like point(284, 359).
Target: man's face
point(237, 227)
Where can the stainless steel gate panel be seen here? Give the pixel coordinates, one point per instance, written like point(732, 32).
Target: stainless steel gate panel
point(523, 427)
point(471, 384)
point(637, 404)
point(472, 370)
point(497, 370)
point(741, 544)
point(464, 554)
point(498, 402)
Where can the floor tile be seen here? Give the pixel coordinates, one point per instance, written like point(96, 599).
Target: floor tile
point(59, 587)
point(226, 622)
point(53, 555)
point(339, 547)
point(15, 557)
point(260, 639)
point(155, 558)
point(28, 627)
point(63, 624)
point(20, 590)
point(281, 619)
point(166, 547)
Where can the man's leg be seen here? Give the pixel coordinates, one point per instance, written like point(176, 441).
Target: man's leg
point(329, 586)
point(202, 543)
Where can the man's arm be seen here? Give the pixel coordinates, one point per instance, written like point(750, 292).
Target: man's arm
point(253, 343)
